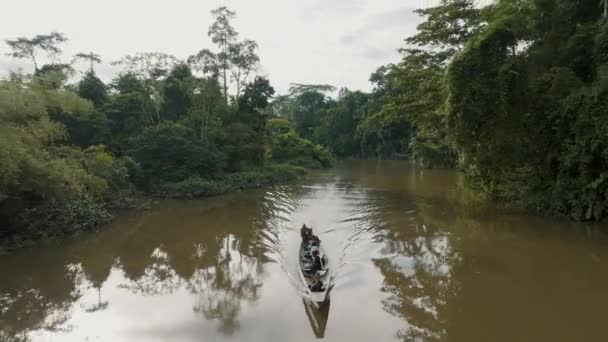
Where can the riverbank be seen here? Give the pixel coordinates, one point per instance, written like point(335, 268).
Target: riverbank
point(52, 223)
point(197, 187)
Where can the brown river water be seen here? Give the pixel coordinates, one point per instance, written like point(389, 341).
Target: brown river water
point(414, 258)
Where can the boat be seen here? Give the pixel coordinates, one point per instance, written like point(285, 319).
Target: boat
point(318, 293)
point(317, 314)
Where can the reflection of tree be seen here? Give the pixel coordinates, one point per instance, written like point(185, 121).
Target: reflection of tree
point(37, 299)
point(470, 276)
point(100, 305)
point(96, 257)
point(213, 248)
point(417, 269)
point(222, 288)
point(418, 280)
point(158, 277)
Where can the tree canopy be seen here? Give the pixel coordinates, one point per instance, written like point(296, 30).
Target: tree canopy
point(71, 151)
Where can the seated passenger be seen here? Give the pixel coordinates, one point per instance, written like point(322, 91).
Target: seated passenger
point(317, 262)
point(305, 232)
point(308, 236)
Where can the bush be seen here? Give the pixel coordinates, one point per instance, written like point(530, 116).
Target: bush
point(197, 187)
point(244, 146)
point(52, 219)
point(47, 189)
point(192, 187)
point(170, 152)
point(291, 148)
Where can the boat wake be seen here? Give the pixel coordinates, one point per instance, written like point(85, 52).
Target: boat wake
point(345, 219)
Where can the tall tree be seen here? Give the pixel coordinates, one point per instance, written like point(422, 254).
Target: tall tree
point(244, 60)
point(24, 47)
point(207, 103)
point(235, 60)
point(224, 35)
point(205, 62)
point(88, 57)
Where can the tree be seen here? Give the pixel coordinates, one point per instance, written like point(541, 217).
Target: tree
point(339, 123)
point(304, 105)
point(411, 119)
point(224, 35)
point(296, 89)
point(205, 62)
point(24, 47)
point(171, 152)
point(256, 95)
point(51, 189)
point(447, 26)
point(53, 76)
point(148, 65)
point(207, 105)
point(244, 60)
point(92, 88)
point(130, 110)
point(89, 57)
point(177, 92)
point(526, 104)
point(308, 107)
point(152, 67)
point(235, 60)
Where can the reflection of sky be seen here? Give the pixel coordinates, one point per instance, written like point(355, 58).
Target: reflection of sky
point(160, 310)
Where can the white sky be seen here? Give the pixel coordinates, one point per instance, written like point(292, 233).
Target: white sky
point(339, 42)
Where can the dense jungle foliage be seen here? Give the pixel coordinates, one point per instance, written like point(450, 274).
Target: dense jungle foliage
point(514, 94)
point(69, 152)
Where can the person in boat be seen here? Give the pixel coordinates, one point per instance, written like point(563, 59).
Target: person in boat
point(305, 232)
point(309, 237)
point(318, 261)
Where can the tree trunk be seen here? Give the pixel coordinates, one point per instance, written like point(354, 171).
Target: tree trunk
point(225, 67)
point(202, 132)
point(225, 87)
point(35, 63)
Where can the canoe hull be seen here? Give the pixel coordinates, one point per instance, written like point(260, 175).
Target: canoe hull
point(308, 280)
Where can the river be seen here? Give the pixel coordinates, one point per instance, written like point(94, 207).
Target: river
point(416, 258)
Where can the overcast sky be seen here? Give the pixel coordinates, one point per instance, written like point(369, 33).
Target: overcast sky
point(339, 42)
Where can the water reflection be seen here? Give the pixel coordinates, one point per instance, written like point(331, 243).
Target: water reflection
point(221, 289)
point(453, 276)
point(410, 264)
point(317, 314)
point(202, 249)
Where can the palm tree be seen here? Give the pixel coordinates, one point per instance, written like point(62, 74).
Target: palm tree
point(605, 4)
point(91, 57)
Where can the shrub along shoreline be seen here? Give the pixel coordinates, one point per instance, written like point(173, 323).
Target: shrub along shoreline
point(65, 163)
point(47, 223)
point(197, 187)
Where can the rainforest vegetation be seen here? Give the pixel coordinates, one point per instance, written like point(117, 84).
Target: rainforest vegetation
point(514, 94)
point(72, 151)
